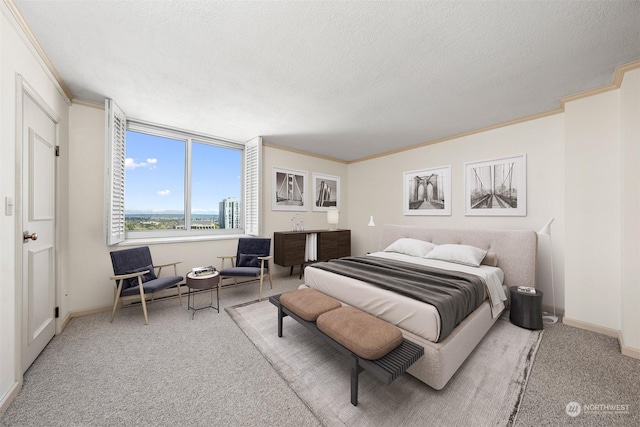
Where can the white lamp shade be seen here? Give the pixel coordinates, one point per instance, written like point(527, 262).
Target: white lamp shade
point(371, 223)
point(547, 228)
point(333, 218)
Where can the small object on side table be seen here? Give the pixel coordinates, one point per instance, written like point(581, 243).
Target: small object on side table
point(526, 307)
point(210, 281)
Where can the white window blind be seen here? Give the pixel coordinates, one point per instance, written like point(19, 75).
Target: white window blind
point(252, 188)
point(116, 128)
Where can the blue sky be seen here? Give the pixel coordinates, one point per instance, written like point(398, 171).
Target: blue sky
point(155, 175)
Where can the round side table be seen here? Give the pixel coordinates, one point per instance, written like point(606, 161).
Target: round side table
point(211, 282)
point(526, 308)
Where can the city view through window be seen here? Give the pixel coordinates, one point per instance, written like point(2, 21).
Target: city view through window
point(156, 173)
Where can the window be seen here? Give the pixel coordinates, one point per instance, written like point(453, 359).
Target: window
point(154, 183)
point(167, 182)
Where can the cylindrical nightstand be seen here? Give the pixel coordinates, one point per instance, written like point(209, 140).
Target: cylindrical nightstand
point(526, 308)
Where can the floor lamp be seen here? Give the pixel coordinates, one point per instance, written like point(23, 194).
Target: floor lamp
point(546, 231)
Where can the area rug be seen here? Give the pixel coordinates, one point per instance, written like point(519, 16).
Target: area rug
point(486, 390)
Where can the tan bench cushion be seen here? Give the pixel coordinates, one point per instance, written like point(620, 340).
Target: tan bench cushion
point(308, 303)
point(363, 334)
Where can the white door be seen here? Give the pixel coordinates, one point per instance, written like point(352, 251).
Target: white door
point(38, 226)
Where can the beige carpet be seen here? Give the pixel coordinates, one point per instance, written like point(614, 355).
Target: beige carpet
point(485, 391)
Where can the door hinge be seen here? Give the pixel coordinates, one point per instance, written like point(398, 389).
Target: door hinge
point(57, 312)
point(57, 151)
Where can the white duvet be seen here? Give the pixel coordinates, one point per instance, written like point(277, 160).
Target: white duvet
point(407, 313)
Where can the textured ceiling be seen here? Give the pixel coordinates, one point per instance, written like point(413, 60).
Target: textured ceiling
point(345, 80)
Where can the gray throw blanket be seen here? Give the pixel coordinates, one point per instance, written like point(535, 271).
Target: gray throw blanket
point(454, 294)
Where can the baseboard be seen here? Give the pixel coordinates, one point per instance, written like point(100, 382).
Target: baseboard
point(163, 294)
point(625, 350)
point(65, 322)
point(591, 327)
point(8, 398)
point(94, 310)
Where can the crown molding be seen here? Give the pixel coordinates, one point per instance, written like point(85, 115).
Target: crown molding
point(616, 83)
point(460, 135)
point(293, 150)
point(618, 76)
point(39, 51)
point(78, 101)
point(622, 70)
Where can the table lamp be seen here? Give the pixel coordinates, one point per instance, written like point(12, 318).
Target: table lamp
point(333, 217)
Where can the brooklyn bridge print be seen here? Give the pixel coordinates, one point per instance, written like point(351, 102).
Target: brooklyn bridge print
point(496, 187)
point(428, 192)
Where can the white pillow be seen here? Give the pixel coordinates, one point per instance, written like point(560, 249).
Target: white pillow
point(459, 254)
point(413, 247)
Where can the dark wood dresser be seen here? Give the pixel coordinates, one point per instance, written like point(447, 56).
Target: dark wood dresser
point(289, 246)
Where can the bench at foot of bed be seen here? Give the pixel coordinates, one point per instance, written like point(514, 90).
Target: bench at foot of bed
point(384, 353)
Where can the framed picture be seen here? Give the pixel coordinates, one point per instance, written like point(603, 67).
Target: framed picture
point(496, 187)
point(326, 192)
point(289, 190)
point(427, 191)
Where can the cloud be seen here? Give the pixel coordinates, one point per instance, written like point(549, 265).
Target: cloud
point(130, 163)
point(164, 192)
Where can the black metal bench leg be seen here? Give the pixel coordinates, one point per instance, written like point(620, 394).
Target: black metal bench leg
point(355, 373)
point(386, 369)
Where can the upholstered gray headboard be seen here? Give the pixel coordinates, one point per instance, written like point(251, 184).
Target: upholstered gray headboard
point(516, 249)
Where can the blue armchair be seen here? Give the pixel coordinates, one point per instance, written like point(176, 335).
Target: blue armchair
point(251, 260)
point(135, 277)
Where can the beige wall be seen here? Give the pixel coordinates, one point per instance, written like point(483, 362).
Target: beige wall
point(582, 169)
point(90, 263)
point(281, 220)
point(603, 211)
point(630, 112)
point(593, 203)
point(88, 252)
point(17, 57)
point(375, 186)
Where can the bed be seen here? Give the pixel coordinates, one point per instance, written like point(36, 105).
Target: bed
point(510, 261)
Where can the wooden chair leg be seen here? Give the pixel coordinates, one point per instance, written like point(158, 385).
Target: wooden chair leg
point(116, 300)
point(144, 303)
point(270, 282)
point(115, 306)
point(175, 273)
point(144, 310)
point(260, 291)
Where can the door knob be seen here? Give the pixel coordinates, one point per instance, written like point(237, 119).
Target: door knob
point(26, 236)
